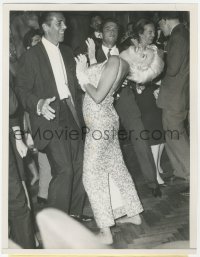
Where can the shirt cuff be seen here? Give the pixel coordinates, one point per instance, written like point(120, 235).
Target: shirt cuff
point(39, 107)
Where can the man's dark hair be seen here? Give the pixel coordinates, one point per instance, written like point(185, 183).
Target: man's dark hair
point(45, 17)
point(30, 13)
point(95, 14)
point(130, 23)
point(109, 20)
point(27, 40)
point(170, 15)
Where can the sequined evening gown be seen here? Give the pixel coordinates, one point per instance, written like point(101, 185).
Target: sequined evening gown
point(103, 159)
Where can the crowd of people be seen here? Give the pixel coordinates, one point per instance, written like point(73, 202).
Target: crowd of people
point(66, 110)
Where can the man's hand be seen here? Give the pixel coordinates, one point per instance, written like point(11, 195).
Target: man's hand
point(45, 108)
point(156, 93)
point(29, 140)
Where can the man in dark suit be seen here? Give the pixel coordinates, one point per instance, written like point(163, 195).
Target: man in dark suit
point(19, 215)
point(128, 110)
point(174, 93)
point(47, 87)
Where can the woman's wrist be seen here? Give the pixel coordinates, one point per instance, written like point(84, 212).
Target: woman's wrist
point(93, 61)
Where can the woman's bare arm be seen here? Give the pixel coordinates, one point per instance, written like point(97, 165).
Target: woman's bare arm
point(106, 81)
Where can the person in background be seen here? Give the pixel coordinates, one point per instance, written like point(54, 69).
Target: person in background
point(19, 25)
point(31, 38)
point(144, 94)
point(95, 28)
point(128, 33)
point(21, 228)
point(173, 97)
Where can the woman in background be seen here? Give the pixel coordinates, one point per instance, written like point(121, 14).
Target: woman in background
point(144, 94)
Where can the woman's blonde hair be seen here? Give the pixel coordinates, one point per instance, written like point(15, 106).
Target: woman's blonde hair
point(143, 74)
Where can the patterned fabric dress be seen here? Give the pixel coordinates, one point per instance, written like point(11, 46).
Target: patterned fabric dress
point(103, 159)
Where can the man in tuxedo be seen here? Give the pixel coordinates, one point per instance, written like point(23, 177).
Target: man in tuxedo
point(174, 93)
point(47, 87)
point(128, 110)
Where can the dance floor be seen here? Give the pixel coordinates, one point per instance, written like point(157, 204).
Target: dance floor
point(165, 220)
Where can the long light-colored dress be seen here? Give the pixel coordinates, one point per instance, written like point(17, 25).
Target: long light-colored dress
point(105, 175)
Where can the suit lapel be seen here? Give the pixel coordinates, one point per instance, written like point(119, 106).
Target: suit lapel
point(100, 56)
point(49, 73)
point(69, 71)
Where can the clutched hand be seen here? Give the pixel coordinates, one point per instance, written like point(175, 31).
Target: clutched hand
point(29, 140)
point(21, 148)
point(81, 68)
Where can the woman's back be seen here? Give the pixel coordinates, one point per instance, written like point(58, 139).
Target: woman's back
point(99, 115)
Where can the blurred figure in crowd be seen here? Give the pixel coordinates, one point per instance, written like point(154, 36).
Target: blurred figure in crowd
point(174, 93)
point(144, 94)
point(19, 25)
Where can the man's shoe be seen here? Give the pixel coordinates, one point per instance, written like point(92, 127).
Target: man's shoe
point(41, 200)
point(185, 192)
point(163, 185)
point(156, 192)
point(82, 218)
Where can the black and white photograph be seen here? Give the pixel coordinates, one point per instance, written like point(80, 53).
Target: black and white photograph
point(101, 127)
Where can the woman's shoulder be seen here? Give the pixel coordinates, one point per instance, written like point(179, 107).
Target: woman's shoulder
point(113, 58)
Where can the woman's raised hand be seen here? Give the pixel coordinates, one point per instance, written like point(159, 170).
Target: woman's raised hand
point(81, 68)
point(81, 63)
point(91, 50)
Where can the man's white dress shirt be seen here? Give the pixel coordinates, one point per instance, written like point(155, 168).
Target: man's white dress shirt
point(58, 68)
point(114, 50)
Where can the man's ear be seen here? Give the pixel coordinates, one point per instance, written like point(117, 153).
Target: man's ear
point(45, 27)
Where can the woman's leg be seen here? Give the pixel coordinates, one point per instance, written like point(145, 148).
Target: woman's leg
point(155, 152)
point(95, 181)
point(96, 184)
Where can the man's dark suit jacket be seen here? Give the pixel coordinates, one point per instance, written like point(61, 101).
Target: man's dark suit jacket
point(35, 81)
point(174, 92)
point(21, 227)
